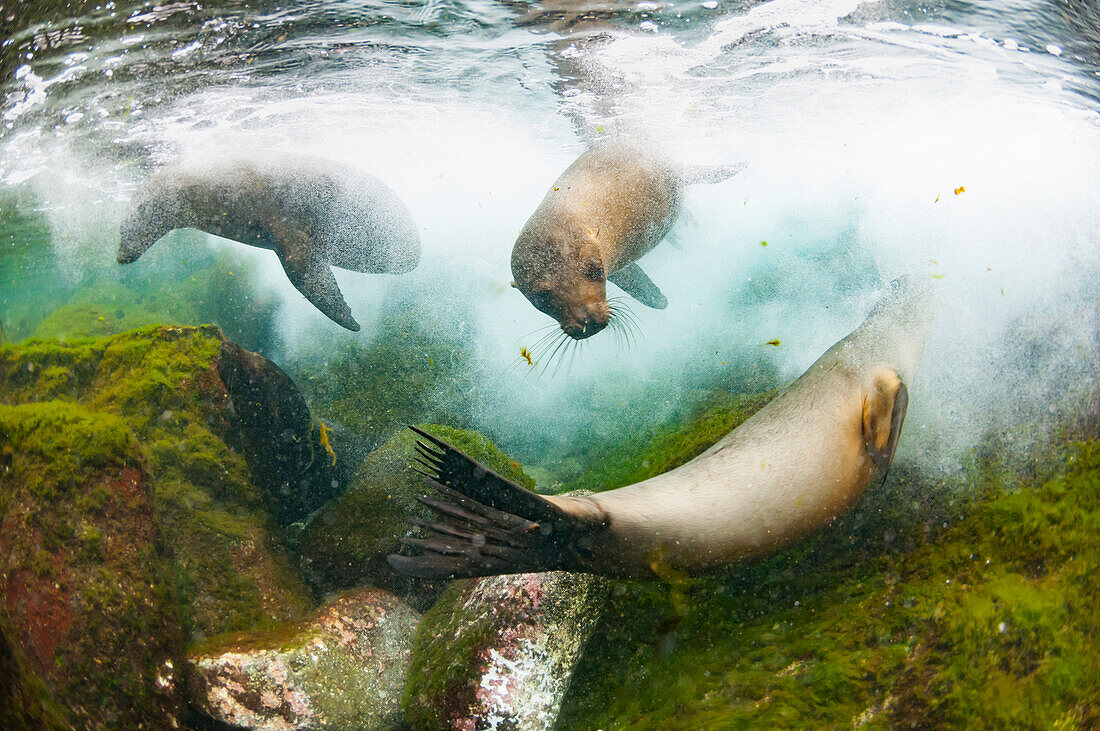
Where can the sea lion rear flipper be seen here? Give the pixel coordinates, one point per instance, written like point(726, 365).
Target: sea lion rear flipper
point(487, 524)
point(878, 430)
point(693, 174)
point(632, 280)
point(312, 277)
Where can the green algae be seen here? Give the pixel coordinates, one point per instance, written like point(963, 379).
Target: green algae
point(441, 670)
point(96, 623)
point(672, 443)
point(345, 542)
point(159, 384)
point(988, 624)
point(409, 372)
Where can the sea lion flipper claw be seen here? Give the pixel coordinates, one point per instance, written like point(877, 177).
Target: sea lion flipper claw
point(897, 419)
point(632, 280)
point(487, 524)
point(313, 277)
point(875, 423)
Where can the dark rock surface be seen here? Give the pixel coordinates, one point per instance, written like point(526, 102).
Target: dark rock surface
point(342, 668)
point(287, 450)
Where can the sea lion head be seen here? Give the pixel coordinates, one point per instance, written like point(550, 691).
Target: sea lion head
point(569, 284)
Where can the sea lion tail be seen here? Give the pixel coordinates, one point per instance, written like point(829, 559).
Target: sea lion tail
point(489, 525)
point(693, 174)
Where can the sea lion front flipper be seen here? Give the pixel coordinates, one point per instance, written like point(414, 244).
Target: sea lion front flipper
point(313, 277)
point(632, 280)
point(488, 524)
point(693, 174)
point(883, 417)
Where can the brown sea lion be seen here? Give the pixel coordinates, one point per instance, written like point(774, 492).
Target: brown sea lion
point(311, 212)
point(613, 204)
point(787, 471)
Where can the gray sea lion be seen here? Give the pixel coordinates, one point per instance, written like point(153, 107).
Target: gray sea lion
point(790, 469)
point(311, 212)
point(610, 207)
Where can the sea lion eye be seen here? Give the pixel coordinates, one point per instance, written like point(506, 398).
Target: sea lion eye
point(593, 270)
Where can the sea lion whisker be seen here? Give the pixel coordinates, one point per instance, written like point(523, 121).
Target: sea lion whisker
point(562, 341)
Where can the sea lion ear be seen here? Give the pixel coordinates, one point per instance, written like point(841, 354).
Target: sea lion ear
point(514, 285)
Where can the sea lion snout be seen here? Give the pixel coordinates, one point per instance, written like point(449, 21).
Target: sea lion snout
point(587, 320)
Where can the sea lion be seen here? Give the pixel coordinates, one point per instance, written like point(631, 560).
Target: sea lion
point(611, 206)
point(311, 212)
point(787, 471)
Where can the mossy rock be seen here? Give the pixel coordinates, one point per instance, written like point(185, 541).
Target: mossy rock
point(341, 668)
point(345, 542)
point(991, 623)
point(161, 384)
point(411, 370)
point(25, 703)
point(86, 582)
point(501, 648)
point(673, 443)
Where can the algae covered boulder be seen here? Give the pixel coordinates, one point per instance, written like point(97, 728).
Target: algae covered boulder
point(89, 614)
point(499, 652)
point(342, 668)
point(161, 384)
point(345, 543)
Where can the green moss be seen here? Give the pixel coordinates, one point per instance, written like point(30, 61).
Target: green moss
point(159, 384)
point(70, 442)
point(407, 373)
point(441, 668)
point(346, 541)
point(673, 443)
point(990, 625)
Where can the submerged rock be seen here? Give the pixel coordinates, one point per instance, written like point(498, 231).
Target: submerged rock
point(287, 450)
point(345, 543)
point(160, 387)
point(499, 652)
point(90, 624)
point(343, 668)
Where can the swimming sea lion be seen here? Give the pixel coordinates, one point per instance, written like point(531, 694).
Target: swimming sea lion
point(789, 470)
point(613, 204)
point(311, 212)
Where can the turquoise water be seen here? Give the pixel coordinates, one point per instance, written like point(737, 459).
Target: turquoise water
point(947, 140)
